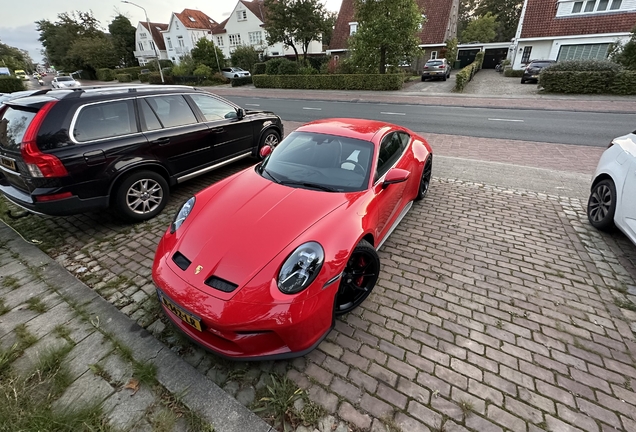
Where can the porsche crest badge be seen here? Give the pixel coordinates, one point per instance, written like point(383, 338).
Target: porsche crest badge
point(198, 269)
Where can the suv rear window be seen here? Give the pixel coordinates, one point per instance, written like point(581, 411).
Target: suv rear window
point(434, 63)
point(13, 125)
point(105, 120)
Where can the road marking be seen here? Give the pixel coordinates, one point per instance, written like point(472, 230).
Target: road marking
point(508, 120)
point(252, 105)
point(310, 108)
point(392, 113)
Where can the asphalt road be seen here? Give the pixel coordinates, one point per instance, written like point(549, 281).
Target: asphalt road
point(566, 127)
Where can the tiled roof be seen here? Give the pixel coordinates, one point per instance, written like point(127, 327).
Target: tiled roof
point(157, 37)
point(435, 31)
point(540, 21)
point(257, 7)
point(195, 19)
point(221, 27)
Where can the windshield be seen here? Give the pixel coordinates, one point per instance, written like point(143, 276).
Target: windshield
point(318, 161)
point(65, 79)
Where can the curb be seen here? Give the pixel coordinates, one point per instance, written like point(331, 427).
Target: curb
point(200, 394)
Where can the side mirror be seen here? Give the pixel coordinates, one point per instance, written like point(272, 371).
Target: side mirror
point(396, 175)
point(265, 151)
point(240, 113)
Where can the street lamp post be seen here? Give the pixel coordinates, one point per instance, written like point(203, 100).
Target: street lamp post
point(153, 41)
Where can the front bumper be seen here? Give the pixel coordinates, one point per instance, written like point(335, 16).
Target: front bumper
point(245, 331)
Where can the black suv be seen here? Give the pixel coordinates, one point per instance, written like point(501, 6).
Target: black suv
point(531, 72)
point(73, 151)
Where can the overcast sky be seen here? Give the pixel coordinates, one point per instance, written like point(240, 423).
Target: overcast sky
point(17, 20)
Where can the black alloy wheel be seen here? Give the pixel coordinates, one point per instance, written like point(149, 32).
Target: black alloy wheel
point(601, 205)
point(358, 278)
point(425, 181)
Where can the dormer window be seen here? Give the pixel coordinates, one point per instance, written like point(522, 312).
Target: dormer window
point(192, 19)
point(241, 15)
point(353, 28)
point(143, 35)
point(591, 6)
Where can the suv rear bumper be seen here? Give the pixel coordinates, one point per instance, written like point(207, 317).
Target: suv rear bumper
point(62, 207)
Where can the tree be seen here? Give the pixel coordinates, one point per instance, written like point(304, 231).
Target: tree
point(296, 22)
point(58, 37)
point(92, 53)
point(205, 52)
point(386, 34)
point(123, 33)
point(14, 58)
point(507, 13)
point(451, 50)
point(466, 14)
point(625, 54)
point(245, 57)
point(481, 29)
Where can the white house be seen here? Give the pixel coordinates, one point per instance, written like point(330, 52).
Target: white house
point(184, 30)
point(149, 42)
point(571, 29)
point(244, 26)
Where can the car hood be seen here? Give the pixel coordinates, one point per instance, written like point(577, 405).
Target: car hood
point(245, 225)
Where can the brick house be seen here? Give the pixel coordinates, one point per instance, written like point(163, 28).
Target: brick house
point(245, 25)
point(441, 25)
point(149, 42)
point(184, 31)
point(571, 29)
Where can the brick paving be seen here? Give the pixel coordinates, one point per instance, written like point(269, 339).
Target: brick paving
point(496, 310)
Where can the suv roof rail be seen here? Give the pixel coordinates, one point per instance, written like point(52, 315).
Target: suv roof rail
point(77, 92)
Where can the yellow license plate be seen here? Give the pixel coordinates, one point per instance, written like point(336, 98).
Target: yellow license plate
point(9, 163)
point(183, 315)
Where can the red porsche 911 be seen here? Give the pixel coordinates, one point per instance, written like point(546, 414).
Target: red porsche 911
point(258, 265)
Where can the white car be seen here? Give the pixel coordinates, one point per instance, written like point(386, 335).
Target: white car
point(64, 82)
point(234, 72)
point(613, 194)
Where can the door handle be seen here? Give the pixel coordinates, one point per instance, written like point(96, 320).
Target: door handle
point(161, 141)
point(217, 130)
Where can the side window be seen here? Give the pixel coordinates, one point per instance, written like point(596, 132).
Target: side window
point(152, 122)
point(105, 120)
point(212, 108)
point(390, 151)
point(172, 110)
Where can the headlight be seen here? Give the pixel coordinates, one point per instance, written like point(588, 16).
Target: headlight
point(180, 217)
point(301, 268)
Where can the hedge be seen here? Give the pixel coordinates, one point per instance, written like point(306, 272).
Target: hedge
point(588, 82)
point(288, 67)
point(10, 84)
point(271, 66)
point(464, 76)
point(145, 77)
point(514, 73)
point(237, 82)
point(123, 78)
point(132, 71)
point(259, 69)
point(105, 74)
point(331, 81)
point(155, 78)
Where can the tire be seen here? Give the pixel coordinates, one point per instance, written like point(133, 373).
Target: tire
point(358, 278)
point(444, 78)
point(270, 138)
point(142, 195)
point(423, 79)
point(601, 206)
point(425, 180)
point(523, 81)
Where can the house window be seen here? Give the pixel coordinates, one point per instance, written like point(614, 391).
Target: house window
point(219, 41)
point(525, 58)
point(241, 15)
point(152, 45)
point(577, 7)
point(143, 35)
point(181, 42)
point(141, 46)
point(433, 55)
point(353, 28)
point(602, 5)
point(616, 4)
point(169, 43)
point(589, 6)
point(583, 52)
point(235, 39)
point(256, 38)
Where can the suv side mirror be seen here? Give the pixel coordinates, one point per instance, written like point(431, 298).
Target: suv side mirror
point(240, 113)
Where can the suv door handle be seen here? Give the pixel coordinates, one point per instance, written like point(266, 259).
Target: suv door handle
point(161, 141)
point(217, 130)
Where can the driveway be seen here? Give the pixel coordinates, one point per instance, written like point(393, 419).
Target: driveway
point(431, 86)
point(488, 82)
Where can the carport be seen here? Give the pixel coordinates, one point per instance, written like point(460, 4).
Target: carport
point(494, 53)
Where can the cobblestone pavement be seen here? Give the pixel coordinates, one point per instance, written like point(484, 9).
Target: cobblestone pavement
point(491, 82)
point(497, 309)
point(431, 85)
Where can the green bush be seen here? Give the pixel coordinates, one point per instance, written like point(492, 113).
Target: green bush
point(479, 59)
point(105, 74)
point(10, 84)
point(575, 82)
point(271, 66)
point(585, 65)
point(331, 82)
point(624, 83)
point(318, 61)
point(288, 67)
point(216, 79)
point(132, 71)
point(237, 82)
point(145, 77)
point(203, 70)
point(259, 69)
point(123, 78)
point(155, 78)
point(307, 70)
point(463, 77)
point(514, 73)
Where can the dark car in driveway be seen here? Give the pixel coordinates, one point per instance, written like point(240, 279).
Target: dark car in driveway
point(531, 72)
point(73, 151)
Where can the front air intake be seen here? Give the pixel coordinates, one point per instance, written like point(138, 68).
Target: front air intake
point(181, 261)
point(220, 284)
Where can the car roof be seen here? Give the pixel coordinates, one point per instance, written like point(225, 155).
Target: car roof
point(348, 127)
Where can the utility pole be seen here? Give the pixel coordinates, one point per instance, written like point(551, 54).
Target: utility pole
point(154, 45)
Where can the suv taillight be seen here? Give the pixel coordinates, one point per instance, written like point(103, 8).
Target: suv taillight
point(442, 66)
point(40, 164)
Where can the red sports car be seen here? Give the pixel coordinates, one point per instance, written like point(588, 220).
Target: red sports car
point(257, 266)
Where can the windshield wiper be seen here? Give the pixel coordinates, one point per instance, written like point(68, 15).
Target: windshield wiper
point(263, 169)
point(310, 185)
